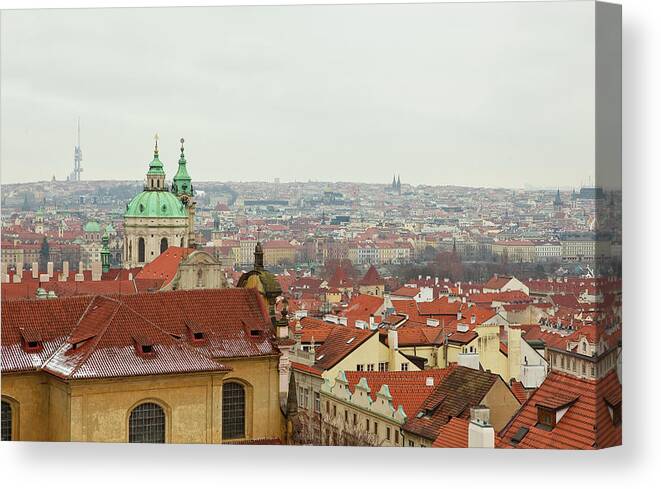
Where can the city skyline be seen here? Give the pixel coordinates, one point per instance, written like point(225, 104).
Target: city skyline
point(436, 104)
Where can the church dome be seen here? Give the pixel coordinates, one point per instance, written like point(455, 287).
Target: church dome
point(156, 204)
point(92, 227)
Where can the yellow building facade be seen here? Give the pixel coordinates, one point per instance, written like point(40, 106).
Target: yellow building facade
point(215, 397)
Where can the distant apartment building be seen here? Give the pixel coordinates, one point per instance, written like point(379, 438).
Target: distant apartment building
point(515, 251)
point(584, 247)
point(380, 253)
point(548, 251)
point(247, 251)
point(279, 252)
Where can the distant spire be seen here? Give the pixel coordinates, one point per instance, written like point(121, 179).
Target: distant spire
point(156, 145)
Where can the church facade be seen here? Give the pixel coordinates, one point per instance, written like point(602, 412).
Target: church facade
point(158, 217)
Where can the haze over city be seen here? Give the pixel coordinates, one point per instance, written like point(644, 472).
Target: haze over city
point(265, 93)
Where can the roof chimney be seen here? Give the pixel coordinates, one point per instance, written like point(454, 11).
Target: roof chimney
point(393, 347)
point(480, 432)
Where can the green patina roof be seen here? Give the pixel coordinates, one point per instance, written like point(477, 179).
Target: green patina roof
point(104, 242)
point(152, 203)
point(156, 166)
point(92, 227)
point(110, 229)
point(181, 183)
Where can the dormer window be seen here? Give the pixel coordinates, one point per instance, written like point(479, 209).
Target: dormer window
point(614, 405)
point(255, 333)
point(31, 340)
point(551, 410)
point(545, 417)
point(196, 333)
point(144, 347)
point(34, 346)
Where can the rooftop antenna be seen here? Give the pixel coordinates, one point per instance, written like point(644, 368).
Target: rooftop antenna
point(77, 157)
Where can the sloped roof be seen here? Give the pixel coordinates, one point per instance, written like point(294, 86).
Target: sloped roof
point(413, 334)
point(111, 333)
point(407, 388)
point(406, 291)
point(164, 266)
point(339, 344)
point(497, 282)
point(587, 424)
point(371, 277)
point(314, 328)
point(462, 388)
point(362, 306)
point(234, 320)
point(453, 434)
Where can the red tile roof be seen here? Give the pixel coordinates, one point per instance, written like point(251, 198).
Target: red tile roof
point(361, 307)
point(462, 388)
point(314, 329)
point(586, 424)
point(519, 391)
point(164, 267)
point(412, 334)
point(406, 291)
point(234, 322)
point(497, 282)
point(371, 277)
point(453, 434)
point(310, 369)
point(408, 389)
point(339, 344)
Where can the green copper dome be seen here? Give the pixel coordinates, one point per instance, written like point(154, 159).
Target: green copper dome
point(155, 204)
point(92, 227)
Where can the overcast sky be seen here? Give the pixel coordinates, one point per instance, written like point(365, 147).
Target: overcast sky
point(466, 94)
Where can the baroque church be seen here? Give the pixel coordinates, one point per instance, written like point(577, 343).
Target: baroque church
point(158, 217)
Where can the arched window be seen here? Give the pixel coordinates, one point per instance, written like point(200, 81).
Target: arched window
point(141, 250)
point(147, 424)
point(164, 244)
point(234, 411)
point(7, 421)
point(130, 250)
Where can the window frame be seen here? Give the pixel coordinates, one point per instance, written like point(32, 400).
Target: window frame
point(166, 419)
point(244, 434)
point(15, 410)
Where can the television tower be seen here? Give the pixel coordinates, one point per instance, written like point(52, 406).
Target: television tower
point(77, 159)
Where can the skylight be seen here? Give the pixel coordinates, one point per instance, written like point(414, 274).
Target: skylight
point(350, 340)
